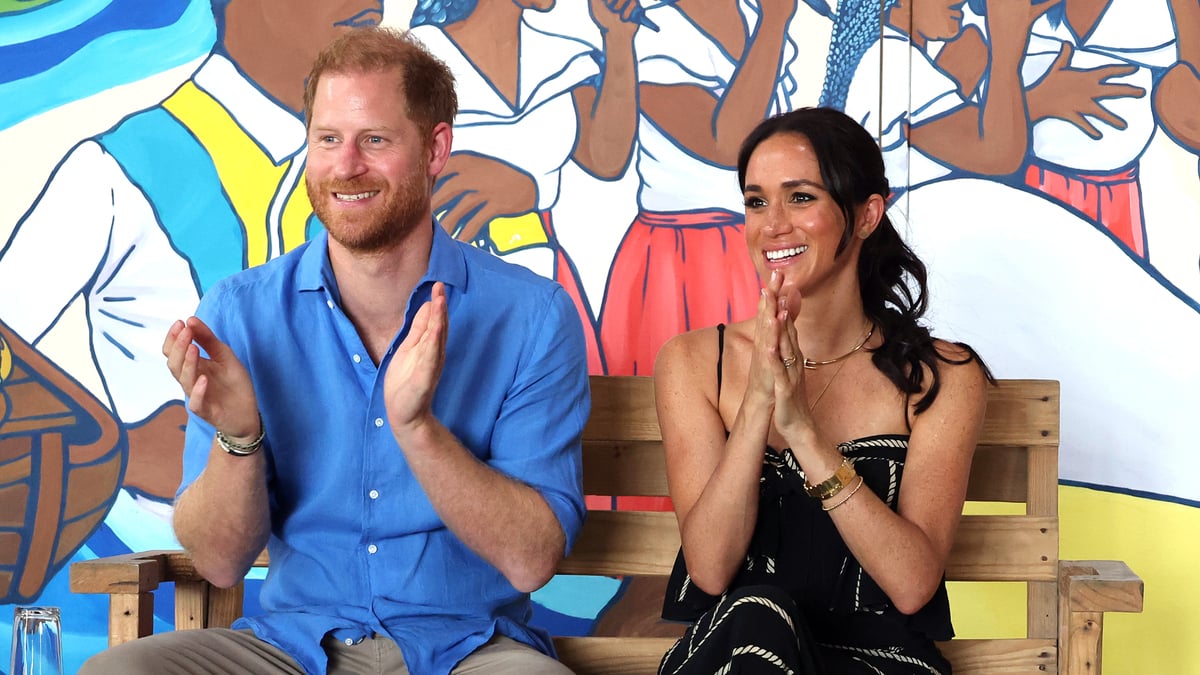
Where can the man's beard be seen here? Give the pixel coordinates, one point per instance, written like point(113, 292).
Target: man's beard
point(381, 227)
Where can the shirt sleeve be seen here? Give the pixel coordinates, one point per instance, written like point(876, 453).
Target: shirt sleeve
point(537, 438)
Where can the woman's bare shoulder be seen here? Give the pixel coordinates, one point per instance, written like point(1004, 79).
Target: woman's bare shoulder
point(689, 350)
point(960, 369)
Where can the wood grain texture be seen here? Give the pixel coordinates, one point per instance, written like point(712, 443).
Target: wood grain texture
point(1016, 461)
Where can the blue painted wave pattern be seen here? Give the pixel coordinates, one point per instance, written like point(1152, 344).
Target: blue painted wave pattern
point(66, 51)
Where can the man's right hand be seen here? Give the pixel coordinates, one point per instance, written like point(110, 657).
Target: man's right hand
point(218, 388)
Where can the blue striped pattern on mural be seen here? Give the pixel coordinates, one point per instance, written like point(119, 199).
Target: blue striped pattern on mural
point(65, 51)
point(152, 146)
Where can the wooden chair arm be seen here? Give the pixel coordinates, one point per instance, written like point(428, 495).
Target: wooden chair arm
point(121, 574)
point(1100, 586)
point(1086, 590)
point(130, 581)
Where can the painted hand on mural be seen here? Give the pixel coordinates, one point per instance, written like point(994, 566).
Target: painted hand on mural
point(474, 189)
point(413, 374)
point(607, 111)
point(218, 388)
point(616, 18)
point(1074, 94)
point(155, 464)
point(1009, 23)
point(990, 137)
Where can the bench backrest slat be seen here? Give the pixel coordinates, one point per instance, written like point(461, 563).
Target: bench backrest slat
point(1015, 461)
point(1021, 415)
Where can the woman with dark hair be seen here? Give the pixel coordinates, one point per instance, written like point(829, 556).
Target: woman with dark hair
point(773, 426)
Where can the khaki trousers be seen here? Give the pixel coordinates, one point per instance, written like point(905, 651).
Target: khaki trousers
point(214, 651)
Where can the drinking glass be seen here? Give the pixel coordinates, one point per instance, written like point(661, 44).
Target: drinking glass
point(36, 647)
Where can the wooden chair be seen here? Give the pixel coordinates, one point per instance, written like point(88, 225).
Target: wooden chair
point(1016, 461)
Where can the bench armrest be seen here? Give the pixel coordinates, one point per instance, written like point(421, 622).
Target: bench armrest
point(1087, 589)
point(130, 581)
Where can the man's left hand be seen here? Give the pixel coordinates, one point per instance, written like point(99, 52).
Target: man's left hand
point(412, 376)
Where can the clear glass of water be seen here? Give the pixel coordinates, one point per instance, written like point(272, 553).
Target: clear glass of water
point(36, 645)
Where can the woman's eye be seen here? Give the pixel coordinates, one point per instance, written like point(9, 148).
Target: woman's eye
point(802, 197)
point(755, 202)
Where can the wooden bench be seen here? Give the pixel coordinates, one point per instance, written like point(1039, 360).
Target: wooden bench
point(1016, 461)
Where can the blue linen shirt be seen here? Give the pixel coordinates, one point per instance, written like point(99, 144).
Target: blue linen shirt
point(355, 544)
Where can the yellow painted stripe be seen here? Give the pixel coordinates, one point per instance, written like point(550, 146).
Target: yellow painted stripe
point(296, 211)
point(248, 175)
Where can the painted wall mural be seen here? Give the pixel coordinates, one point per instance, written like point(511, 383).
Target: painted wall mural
point(1042, 153)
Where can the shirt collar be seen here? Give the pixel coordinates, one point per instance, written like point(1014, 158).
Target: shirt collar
point(447, 263)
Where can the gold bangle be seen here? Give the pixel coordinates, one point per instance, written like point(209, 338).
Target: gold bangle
point(834, 484)
point(846, 498)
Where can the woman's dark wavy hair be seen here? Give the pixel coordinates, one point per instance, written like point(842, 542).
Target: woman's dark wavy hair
point(888, 270)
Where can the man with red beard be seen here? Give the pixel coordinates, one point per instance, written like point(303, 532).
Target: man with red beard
point(410, 502)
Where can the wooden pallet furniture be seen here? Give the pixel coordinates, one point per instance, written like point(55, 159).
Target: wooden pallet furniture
point(1016, 461)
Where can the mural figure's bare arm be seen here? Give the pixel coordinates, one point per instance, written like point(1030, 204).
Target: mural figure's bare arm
point(1176, 93)
point(713, 126)
point(608, 116)
point(990, 137)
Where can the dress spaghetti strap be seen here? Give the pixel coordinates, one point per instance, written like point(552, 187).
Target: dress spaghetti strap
point(720, 355)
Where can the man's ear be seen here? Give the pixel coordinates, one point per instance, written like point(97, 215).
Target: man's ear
point(439, 148)
point(869, 216)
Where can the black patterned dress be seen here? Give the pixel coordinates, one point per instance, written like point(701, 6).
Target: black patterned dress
point(802, 603)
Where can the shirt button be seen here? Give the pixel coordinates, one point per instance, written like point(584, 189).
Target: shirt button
point(372, 549)
point(350, 642)
point(330, 303)
point(378, 421)
point(357, 358)
point(373, 494)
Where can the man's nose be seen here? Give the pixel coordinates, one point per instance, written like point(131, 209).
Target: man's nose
point(350, 161)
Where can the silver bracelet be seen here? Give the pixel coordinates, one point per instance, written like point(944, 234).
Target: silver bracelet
point(243, 449)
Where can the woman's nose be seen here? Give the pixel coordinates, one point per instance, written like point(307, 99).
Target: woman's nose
point(777, 221)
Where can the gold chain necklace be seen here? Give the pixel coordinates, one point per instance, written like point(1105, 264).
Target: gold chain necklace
point(813, 365)
point(824, 389)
